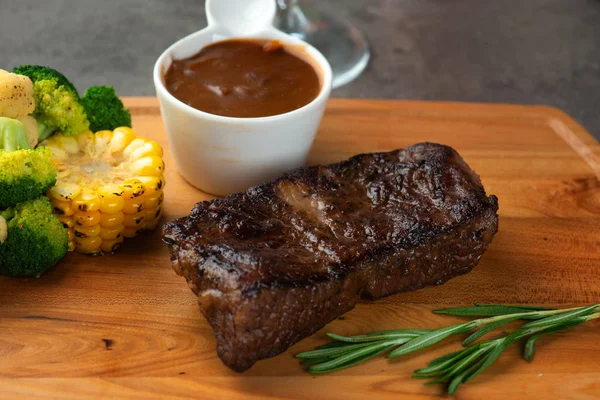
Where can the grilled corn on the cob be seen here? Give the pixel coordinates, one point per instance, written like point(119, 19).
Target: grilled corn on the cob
point(110, 187)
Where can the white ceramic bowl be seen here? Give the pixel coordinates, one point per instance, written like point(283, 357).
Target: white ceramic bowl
point(222, 155)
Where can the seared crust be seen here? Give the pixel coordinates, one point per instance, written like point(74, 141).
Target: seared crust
point(277, 262)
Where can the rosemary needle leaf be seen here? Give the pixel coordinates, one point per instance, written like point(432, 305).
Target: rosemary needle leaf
point(441, 366)
point(311, 361)
point(461, 378)
point(372, 338)
point(563, 317)
point(529, 349)
point(487, 329)
point(331, 345)
point(482, 311)
point(415, 332)
point(495, 353)
point(431, 338)
point(334, 351)
point(443, 358)
point(349, 359)
point(524, 307)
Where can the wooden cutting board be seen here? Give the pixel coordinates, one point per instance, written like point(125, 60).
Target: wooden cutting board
point(125, 326)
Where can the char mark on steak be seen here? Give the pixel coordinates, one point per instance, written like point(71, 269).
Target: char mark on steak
point(276, 263)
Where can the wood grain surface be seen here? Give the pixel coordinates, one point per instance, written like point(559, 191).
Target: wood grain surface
point(124, 326)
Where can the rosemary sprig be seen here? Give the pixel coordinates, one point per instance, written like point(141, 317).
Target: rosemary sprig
point(459, 367)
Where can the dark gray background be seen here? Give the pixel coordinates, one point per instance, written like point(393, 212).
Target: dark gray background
point(508, 51)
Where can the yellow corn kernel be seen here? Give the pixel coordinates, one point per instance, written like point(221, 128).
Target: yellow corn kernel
point(150, 166)
point(111, 220)
point(67, 143)
point(65, 191)
point(111, 233)
point(87, 218)
point(63, 208)
point(134, 220)
point(71, 234)
point(132, 147)
point(121, 137)
point(101, 141)
point(71, 245)
point(87, 231)
point(110, 246)
point(131, 232)
point(87, 201)
point(88, 245)
point(57, 152)
point(85, 141)
point(148, 148)
point(133, 188)
point(133, 206)
point(152, 184)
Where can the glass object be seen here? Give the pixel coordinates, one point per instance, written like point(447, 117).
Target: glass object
point(341, 43)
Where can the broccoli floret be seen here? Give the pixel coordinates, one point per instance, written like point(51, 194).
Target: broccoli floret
point(13, 135)
point(25, 174)
point(104, 109)
point(57, 103)
point(36, 240)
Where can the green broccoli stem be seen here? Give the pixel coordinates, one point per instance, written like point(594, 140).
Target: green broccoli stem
point(44, 131)
point(13, 135)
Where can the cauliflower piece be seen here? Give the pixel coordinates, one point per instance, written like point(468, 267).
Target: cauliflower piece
point(16, 95)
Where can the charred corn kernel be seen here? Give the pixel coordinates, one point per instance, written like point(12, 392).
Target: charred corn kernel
point(111, 233)
point(133, 188)
point(130, 232)
point(134, 220)
point(63, 208)
point(153, 184)
point(88, 245)
point(64, 191)
point(110, 186)
point(87, 231)
point(112, 245)
point(111, 220)
point(87, 201)
point(152, 218)
point(133, 206)
point(66, 221)
point(154, 201)
point(87, 218)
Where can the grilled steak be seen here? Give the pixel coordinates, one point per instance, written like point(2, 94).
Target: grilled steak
point(275, 263)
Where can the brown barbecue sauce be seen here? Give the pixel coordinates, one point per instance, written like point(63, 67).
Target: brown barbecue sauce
point(243, 78)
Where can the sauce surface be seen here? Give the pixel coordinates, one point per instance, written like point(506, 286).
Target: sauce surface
point(243, 78)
